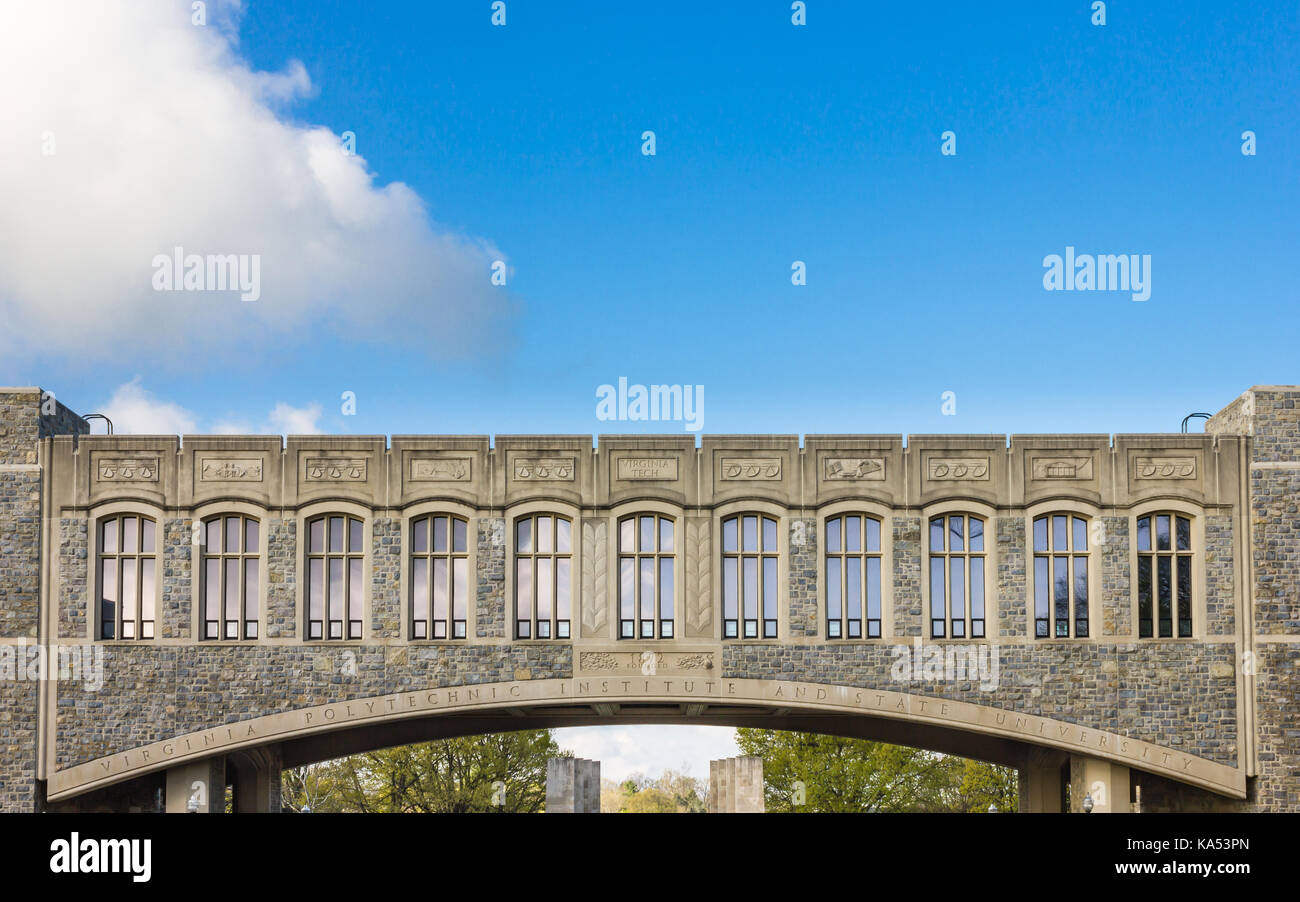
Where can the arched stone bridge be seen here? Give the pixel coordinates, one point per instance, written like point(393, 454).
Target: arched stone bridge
point(1115, 613)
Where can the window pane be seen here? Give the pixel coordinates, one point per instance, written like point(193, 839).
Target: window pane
point(1042, 591)
point(354, 589)
point(212, 588)
point(524, 536)
point(524, 587)
point(563, 596)
point(1184, 596)
point(647, 569)
point(1080, 534)
point(420, 536)
point(729, 588)
point(1040, 534)
point(729, 534)
point(769, 588)
point(458, 540)
point(647, 534)
point(336, 534)
point(873, 534)
point(1061, 578)
point(336, 589)
point(1165, 596)
point(108, 537)
point(853, 534)
point(976, 534)
point(1184, 534)
point(562, 540)
point(666, 588)
point(147, 543)
point(250, 536)
point(460, 589)
point(128, 590)
point(1144, 534)
point(769, 534)
point(627, 535)
point(146, 588)
point(234, 526)
point(852, 587)
point(751, 533)
point(750, 588)
point(130, 534)
point(440, 535)
point(627, 589)
point(316, 540)
point(937, 589)
point(440, 589)
point(1059, 537)
point(1080, 588)
point(232, 584)
point(833, 535)
point(1162, 532)
point(420, 588)
point(250, 588)
point(936, 534)
point(956, 537)
point(976, 586)
point(355, 533)
point(545, 536)
point(833, 588)
point(665, 535)
point(1144, 597)
point(957, 590)
point(873, 588)
point(316, 589)
point(108, 587)
point(545, 589)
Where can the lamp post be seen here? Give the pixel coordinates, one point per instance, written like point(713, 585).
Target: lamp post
point(1087, 803)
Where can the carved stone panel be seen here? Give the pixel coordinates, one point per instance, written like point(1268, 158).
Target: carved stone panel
point(334, 469)
point(751, 468)
point(634, 661)
point(230, 469)
point(699, 578)
point(542, 469)
point(140, 468)
point(853, 468)
point(958, 469)
point(595, 577)
point(1164, 467)
point(440, 469)
point(658, 468)
point(1061, 467)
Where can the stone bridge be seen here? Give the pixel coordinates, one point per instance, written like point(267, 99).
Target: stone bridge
point(1116, 615)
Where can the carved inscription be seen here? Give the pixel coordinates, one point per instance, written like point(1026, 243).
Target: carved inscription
point(336, 469)
point(440, 469)
point(662, 468)
point(765, 468)
point(529, 469)
point(1061, 467)
point(1165, 467)
point(854, 468)
point(230, 469)
point(946, 469)
point(127, 469)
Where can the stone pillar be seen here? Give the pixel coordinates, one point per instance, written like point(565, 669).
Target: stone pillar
point(1105, 781)
point(736, 786)
point(572, 786)
point(256, 778)
point(204, 781)
point(1042, 782)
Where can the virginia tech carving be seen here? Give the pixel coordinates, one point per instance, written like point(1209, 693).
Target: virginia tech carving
point(662, 468)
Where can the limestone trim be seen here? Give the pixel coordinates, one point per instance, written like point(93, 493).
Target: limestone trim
point(304, 515)
point(989, 514)
point(631, 508)
point(104, 511)
point(736, 507)
point(1092, 513)
point(471, 516)
point(1200, 612)
point(885, 514)
point(201, 514)
point(573, 514)
point(631, 690)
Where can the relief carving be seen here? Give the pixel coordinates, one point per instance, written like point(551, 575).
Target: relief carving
point(1165, 467)
point(1061, 468)
point(598, 660)
point(663, 468)
point(855, 468)
point(699, 609)
point(335, 469)
point(948, 469)
point(766, 468)
point(127, 469)
point(529, 469)
point(595, 569)
point(228, 469)
point(440, 469)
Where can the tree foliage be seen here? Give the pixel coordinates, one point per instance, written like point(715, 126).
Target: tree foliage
point(499, 772)
point(672, 792)
point(812, 772)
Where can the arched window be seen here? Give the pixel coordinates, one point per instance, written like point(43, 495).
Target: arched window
point(957, 577)
point(646, 561)
point(852, 576)
point(543, 565)
point(1060, 576)
point(1164, 544)
point(228, 577)
point(127, 570)
point(749, 580)
point(439, 577)
point(335, 556)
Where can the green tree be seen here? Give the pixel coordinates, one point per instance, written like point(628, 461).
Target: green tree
point(499, 772)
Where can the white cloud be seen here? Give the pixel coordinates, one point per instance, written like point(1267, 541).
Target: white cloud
point(136, 411)
point(649, 749)
point(164, 136)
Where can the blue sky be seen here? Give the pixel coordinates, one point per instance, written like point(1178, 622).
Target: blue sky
point(775, 143)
